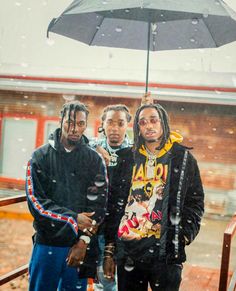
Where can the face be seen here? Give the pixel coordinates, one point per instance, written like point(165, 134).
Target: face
point(150, 125)
point(115, 126)
point(72, 130)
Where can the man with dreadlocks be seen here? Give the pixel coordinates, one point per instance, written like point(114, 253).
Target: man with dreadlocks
point(115, 119)
point(66, 189)
point(155, 206)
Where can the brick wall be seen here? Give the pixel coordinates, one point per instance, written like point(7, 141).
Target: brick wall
point(209, 129)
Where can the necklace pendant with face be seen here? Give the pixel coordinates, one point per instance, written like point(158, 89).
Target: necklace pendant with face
point(151, 162)
point(113, 160)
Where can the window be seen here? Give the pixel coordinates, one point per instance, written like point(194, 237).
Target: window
point(50, 127)
point(18, 143)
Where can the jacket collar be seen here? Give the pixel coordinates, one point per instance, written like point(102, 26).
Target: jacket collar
point(54, 141)
point(174, 138)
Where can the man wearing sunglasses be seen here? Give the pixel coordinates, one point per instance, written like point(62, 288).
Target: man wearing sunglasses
point(155, 206)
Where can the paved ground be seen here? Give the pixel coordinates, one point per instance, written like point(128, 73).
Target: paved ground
point(15, 248)
point(201, 272)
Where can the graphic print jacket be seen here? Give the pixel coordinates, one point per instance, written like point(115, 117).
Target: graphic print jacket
point(155, 208)
point(61, 184)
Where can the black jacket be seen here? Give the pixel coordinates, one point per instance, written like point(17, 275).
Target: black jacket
point(185, 202)
point(61, 184)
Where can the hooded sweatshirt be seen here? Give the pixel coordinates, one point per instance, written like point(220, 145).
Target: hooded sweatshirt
point(142, 220)
point(60, 185)
point(152, 200)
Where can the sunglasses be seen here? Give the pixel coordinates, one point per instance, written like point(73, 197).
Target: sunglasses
point(152, 120)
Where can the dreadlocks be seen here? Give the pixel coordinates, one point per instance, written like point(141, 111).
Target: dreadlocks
point(138, 139)
point(72, 106)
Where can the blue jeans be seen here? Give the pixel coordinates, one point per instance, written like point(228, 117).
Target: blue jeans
point(103, 284)
point(48, 270)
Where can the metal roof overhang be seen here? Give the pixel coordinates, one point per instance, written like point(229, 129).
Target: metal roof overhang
point(107, 88)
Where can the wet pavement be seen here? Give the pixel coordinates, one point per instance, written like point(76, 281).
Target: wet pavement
point(201, 271)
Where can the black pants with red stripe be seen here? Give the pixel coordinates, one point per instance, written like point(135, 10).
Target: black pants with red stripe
point(138, 276)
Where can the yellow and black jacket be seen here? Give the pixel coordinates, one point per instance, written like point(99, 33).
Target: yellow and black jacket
point(155, 206)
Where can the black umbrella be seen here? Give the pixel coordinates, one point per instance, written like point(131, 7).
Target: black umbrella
point(148, 25)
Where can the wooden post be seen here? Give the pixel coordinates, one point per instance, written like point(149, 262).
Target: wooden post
point(228, 234)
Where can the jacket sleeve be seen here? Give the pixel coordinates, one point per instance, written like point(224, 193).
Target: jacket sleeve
point(193, 207)
point(97, 189)
point(42, 207)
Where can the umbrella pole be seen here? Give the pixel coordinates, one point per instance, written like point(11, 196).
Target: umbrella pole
point(148, 50)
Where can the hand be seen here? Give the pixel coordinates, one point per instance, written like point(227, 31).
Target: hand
point(86, 224)
point(92, 230)
point(76, 254)
point(109, 268)
point(104, 154)
point(147, 99)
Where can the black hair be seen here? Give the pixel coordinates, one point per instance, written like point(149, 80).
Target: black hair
point(138, 139)
point(73, 106)
point(116, 107)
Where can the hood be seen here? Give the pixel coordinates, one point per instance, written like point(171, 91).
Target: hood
point(54, 140)
point(174, 137)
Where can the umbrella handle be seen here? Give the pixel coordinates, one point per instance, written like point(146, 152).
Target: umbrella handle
point(148, 50)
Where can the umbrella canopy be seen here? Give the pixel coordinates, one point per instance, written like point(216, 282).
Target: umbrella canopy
point(148, 25)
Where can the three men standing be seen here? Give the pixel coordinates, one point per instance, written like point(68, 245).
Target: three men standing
point(155, 203)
